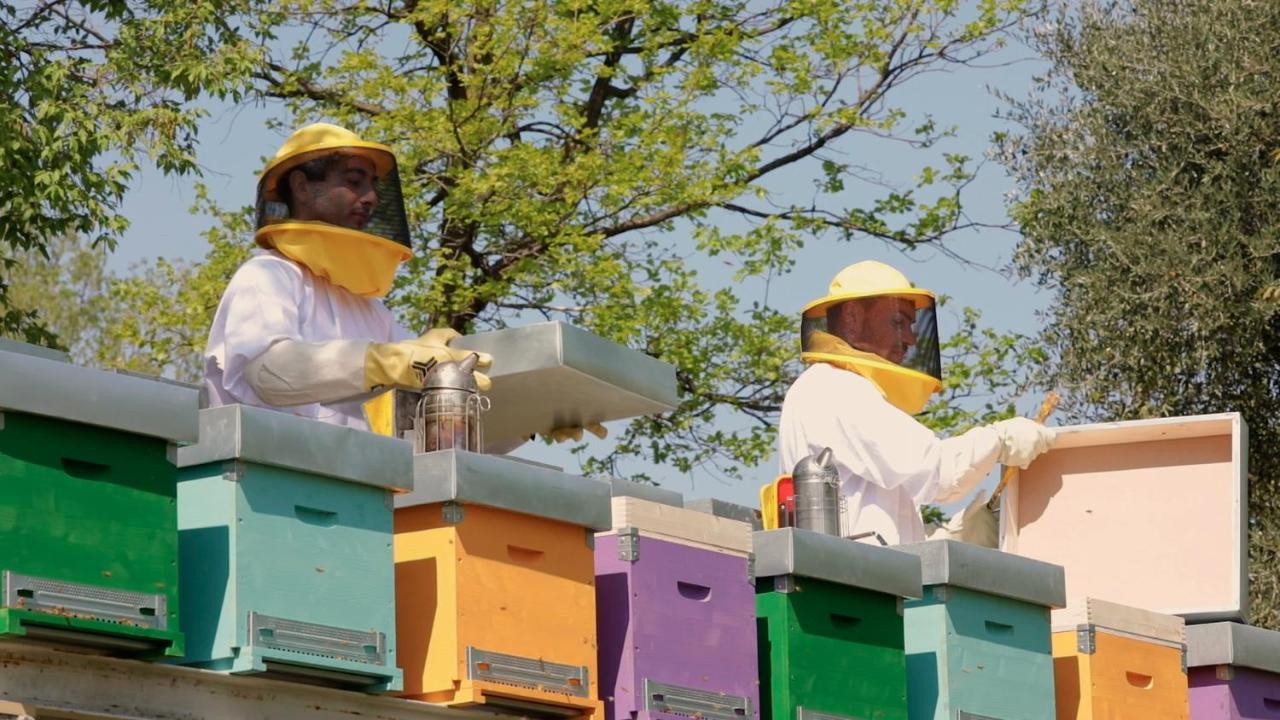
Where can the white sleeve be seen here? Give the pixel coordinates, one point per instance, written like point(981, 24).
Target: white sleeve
point(964, 461)
point(292, 372)
point(901, 451)
point(258, 309)
point(885, 446)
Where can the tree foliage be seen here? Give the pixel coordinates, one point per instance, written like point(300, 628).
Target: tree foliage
point(565, 159)
point(561, 159)
point(164, 308)
point(1148, 180)
point(153, 320)
point(87, 90)
point(65, 284)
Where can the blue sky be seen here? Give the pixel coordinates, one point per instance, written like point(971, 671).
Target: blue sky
point(234, 141)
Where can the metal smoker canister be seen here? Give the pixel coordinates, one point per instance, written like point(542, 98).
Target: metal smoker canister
point(448, 415)
point(817, 484)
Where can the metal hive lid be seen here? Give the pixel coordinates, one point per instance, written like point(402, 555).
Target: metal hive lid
point(270, 437)
point(792, 551)
point(40, 383)
point(508, 484)
point(962, 565)
point(1229, 643)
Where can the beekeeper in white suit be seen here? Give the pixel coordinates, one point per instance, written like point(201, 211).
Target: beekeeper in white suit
point(301, 326)
point(872, 349)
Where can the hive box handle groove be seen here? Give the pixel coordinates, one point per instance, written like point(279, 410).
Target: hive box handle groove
point(524, 554)
point(840, 620)
point(84, 469)
point(1140, 680)
point(315, 516)
point(693, 591)
point(998, 628)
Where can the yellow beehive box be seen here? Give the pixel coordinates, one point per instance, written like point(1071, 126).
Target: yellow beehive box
point(1113, 661)
point(495, 584)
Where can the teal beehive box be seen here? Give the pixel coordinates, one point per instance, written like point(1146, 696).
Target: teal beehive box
point(829, 626)
point(285, 531)
point(88, 516)
point(978, 643)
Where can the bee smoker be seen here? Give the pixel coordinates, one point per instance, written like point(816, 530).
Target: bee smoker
point(448, 413)
point(817, 498)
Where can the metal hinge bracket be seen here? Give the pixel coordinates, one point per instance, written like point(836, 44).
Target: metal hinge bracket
point(1086, 642)
point(629, 544)
point(452, 512)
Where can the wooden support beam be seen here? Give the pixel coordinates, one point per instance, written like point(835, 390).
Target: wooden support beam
point(51, 684)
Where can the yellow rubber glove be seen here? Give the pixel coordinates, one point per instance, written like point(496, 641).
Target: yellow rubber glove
point(574, 432)
point(388, 364)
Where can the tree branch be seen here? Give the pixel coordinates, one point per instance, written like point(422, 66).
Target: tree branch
point(310, 90)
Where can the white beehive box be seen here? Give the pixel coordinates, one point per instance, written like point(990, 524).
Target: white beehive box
point(1148, 513)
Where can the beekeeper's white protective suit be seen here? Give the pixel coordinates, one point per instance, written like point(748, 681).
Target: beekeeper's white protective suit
point(301, 327)
point(872, 347)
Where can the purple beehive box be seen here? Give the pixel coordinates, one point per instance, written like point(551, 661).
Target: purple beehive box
point(676, 617)
point(1233, 671)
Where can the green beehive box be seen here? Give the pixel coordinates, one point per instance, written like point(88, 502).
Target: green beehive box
point(829, 622)
point(89, 517)
point(978, 643)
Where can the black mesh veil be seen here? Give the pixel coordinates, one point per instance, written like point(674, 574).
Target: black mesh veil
point(387, 219)
point(899, 329)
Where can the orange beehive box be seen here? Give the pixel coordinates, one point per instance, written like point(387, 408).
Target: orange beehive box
point(495, 584)
point(1112, 661)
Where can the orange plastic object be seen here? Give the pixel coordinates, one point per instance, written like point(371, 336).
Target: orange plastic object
point(1124, 677)
point(494, 582)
